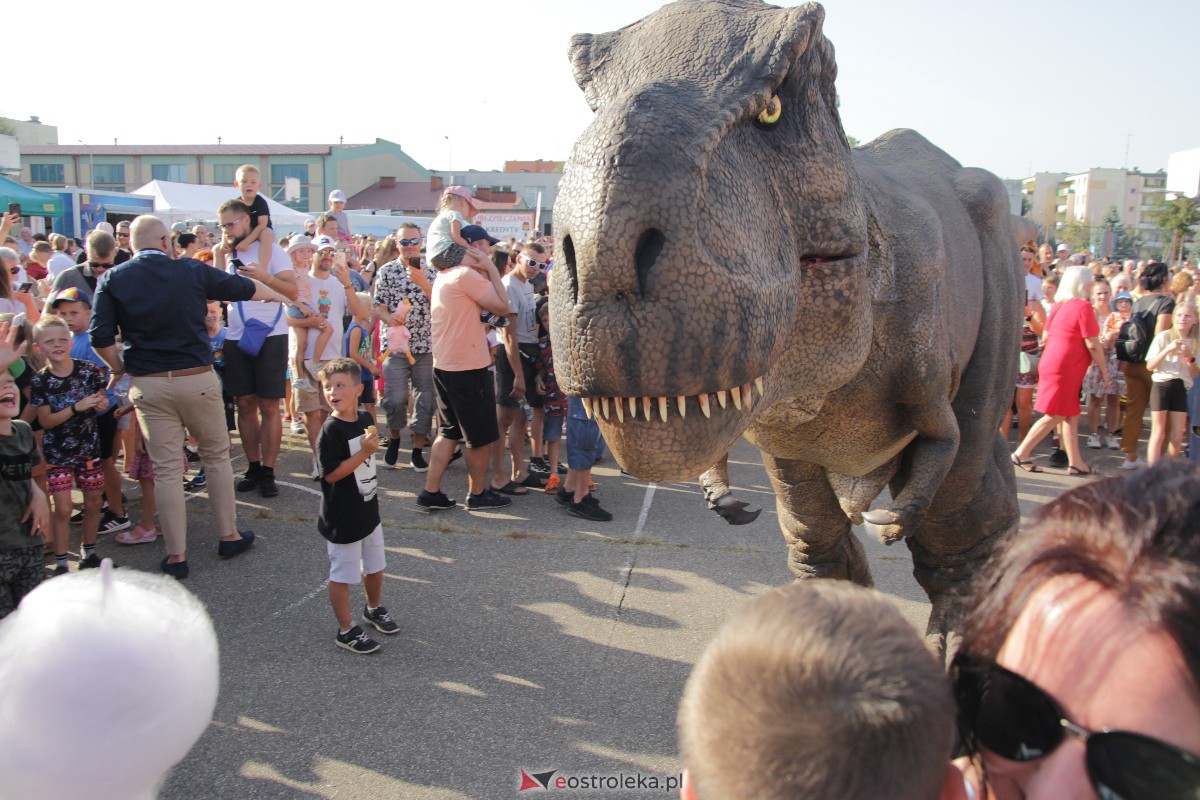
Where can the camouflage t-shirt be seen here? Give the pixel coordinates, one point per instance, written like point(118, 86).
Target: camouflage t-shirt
point(75, 441)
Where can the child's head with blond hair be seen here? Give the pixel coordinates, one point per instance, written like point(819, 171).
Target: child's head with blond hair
point(818, 689)
point(248, 180)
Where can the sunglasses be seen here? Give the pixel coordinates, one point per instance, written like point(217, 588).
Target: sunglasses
point(409, 242)
point(15, 271)
point(539, 264)
point(101, 264)
point(1015, 719)
point(123, 234)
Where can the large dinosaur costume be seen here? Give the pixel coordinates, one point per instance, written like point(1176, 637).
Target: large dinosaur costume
point(728, 266)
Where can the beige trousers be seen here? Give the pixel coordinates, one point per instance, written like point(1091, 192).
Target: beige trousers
point(165, 408)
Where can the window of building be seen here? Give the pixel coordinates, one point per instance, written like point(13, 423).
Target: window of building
point(279, 173)
point(175, 173)
point(224, 174)
point(109, 176)
point(47, 173)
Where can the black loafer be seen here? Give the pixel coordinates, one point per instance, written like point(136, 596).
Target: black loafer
point(237, 546)
point(177, 570)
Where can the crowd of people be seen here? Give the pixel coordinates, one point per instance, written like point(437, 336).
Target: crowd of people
point(153, 345)
point(1121, 336)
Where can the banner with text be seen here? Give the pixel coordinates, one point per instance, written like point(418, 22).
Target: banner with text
point(507, 225)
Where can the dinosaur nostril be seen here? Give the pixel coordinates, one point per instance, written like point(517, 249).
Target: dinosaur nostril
point(649, 246)
point(568, 252)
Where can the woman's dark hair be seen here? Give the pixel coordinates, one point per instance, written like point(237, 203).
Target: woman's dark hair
point(500, 257)
point(1138, 536)
point(1153, 276)
point(185, 239)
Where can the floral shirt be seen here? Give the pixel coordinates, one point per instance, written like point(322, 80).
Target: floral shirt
point(392, 285)
point(556, 402)
point(75, 441)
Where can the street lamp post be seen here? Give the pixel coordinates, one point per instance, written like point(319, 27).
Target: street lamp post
point(450, 147)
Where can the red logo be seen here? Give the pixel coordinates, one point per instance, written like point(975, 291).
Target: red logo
point(538, 780)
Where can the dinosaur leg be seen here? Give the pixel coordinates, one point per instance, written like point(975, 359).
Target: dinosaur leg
point(975, 509)
point(817, 531)
point(715, 482)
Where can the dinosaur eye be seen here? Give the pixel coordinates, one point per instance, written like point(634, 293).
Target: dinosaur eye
point(769, 117)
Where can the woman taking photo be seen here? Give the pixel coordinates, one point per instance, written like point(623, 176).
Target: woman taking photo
point(1079, 670)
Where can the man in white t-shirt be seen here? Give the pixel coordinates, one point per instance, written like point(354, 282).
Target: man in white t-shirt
point(332, 296)
point(257, 382)
point(514, 366)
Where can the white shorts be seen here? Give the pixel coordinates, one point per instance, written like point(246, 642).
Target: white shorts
point(349, 562)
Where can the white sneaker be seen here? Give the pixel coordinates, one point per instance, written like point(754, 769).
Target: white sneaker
point(1114, 442)
point(297, 426)
point(316, 471)
point(1094, 441)
point(1131, 465)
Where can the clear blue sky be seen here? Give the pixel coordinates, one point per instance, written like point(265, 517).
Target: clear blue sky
point(1054, 85)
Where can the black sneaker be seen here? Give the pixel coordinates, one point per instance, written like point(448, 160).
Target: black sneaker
point(1059, 459)
point(562, 469)
point(589, 508)
point(60, 571)
point(488, 318)
point(91, 562)
point(266, 484)
point(538, 465)
point(455, 456)
point(487, 499)
point(434, 501)
point(380, 619)
point(356, 641)
point(77, 517)
point(193, 457)
point(564, 498)
point(393, 453)
point(250, 480)
point(418, 459)
point(197, 483)
point(111, 523)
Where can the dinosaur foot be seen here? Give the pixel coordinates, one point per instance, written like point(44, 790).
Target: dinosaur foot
point(943, 635)
point(735, 511)
point(891, 526)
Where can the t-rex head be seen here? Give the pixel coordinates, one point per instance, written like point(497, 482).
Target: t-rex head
point(711, 228)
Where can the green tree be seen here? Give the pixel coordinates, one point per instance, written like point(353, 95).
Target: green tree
point(6, 128)
point(851, 140)
point(1077, 235)
point(1176, 219)
point(1122, 244)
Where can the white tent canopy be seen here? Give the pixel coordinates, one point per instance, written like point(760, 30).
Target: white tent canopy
point(183, 202)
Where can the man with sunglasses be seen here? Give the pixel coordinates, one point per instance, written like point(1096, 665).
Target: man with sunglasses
point(101, 250)
point(397, 282)
point(124, 251)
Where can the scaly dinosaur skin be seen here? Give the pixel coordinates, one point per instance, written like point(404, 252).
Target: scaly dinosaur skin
point(854, 314)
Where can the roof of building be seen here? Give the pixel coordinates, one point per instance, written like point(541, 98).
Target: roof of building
point(182, 149)
point(413, 196)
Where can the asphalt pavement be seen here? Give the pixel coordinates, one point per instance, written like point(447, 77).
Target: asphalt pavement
point(530, 640)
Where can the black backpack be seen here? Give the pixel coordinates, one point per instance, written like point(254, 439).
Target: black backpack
point(1133, 340)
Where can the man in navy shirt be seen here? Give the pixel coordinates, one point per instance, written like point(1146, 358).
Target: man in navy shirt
point(158, 304)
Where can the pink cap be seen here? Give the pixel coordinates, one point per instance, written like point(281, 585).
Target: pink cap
point(462, 192)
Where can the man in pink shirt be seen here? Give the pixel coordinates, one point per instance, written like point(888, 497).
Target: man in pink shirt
point(466, 393)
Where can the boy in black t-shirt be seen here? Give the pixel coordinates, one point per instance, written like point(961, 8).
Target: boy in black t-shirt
point(248, 182)
point(349, 506)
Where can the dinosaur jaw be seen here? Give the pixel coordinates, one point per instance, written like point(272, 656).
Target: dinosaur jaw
point(675, 438)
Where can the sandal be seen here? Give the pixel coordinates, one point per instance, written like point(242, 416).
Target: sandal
point(1076, 472)
point(1028, 466)
point(138, 535)
point(511, 488)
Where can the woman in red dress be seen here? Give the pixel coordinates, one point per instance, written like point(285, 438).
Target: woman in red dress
point(1071, 344)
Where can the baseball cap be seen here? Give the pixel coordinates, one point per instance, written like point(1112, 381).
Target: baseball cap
point(68, 295)
point(462, 192)
point(474, 233)
point(1123, 296)
point(301, 243)
point(337, 196)
point(1062, 247)
point(323, 242)
point(104, 226)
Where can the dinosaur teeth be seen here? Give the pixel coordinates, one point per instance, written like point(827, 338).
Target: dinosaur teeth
point(743, 399)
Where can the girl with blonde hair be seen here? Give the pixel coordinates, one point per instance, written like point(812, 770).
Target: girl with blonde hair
point(1172, 364)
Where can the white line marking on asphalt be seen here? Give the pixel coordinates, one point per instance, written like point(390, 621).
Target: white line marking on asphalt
point(645, 512)
point(301, 601)
point(302, 488)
